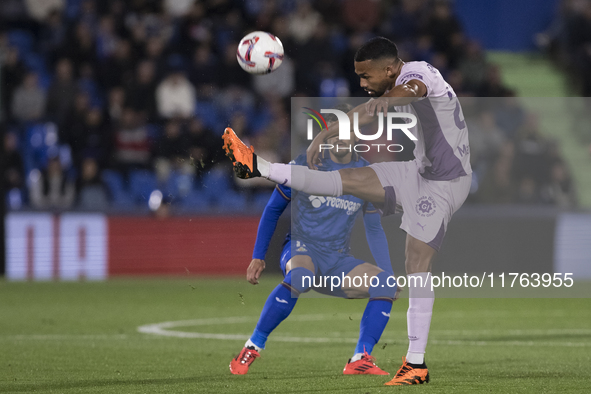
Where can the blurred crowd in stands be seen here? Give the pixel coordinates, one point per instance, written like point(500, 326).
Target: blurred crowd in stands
point(568, 40)
point(120, 105)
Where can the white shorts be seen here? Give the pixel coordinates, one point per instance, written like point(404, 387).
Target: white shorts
point(427, 206)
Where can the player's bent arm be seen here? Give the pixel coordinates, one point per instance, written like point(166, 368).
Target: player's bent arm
point(399, 95)
point(377, 241)
point(275, 206)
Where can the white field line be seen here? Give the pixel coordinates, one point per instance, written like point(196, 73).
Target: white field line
point(163, 329)
point(61, 337)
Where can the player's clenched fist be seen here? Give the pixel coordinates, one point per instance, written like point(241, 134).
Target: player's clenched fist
point(254, 271)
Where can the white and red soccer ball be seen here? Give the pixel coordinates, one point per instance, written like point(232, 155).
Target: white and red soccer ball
point(259, 53)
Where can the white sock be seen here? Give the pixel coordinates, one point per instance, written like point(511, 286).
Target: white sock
point(356, 357)
point(264, 167)
point(250, 344)
point(420, 310)
point(320, 183)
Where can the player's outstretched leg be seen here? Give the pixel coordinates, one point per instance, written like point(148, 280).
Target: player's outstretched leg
point(410, 374)
point(248, 165)
point(278, 306)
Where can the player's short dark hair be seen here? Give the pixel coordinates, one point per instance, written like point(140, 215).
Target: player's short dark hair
point(377, 48)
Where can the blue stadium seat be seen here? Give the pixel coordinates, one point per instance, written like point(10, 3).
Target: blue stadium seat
point(260, 201)
point(216, 183)
point(141, 184)
point(73, 8)
point(194, 202)
point(35, 62)
point(208, 113)
point(21, 39)
point(231, 202)
point(120, 196)
point(39, 139)
point(178, 186)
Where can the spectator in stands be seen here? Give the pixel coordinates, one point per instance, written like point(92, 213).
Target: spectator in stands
point(203, 70)
point(493, 85)
point(361, 15)
point(229, 71)
point(28, 101)
point(497, 186)
point(14, 172)
point(203, 149)
point(141, 94)
point(176, 96)
point(115, 104)
point(39, 10)
point(90, 137)
point(171, 152)
point(280, 83)
point(53, 34)
point(81, 46)
point(132, 143)
point(118, 69)
point(473, 66)
point(177, 8)
point(90, 189)
point(486, 141)
point(51, 188)
point(61, 93)
point(303, 22)
point(531, 155)
point(560, 190)
point(13, 72)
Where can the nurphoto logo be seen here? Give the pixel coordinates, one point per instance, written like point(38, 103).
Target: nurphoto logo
point(409, 121)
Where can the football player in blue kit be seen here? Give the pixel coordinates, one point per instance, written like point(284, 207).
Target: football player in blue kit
point(319, 246)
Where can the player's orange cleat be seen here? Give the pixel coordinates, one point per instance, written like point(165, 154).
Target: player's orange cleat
point(365, 366)
point(240, 364)
point(409, 374)
point(243, 157)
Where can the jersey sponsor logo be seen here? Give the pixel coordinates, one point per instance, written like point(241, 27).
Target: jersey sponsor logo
point(317, 201)
point(426, 206)
point(350, 206)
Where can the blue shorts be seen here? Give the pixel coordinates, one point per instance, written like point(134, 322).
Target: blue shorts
point(325, 263)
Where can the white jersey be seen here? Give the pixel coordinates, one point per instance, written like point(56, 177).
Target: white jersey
point(442, 147)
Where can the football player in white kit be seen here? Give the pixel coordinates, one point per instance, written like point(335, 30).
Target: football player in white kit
point(428, 190)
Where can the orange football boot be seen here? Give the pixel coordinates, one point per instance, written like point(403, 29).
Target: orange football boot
point(408, 374)
point(243, 157)
point(240, 364)
point(365, 366)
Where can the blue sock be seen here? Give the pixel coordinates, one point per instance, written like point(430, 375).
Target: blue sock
point(279, 305)
point(374, 320)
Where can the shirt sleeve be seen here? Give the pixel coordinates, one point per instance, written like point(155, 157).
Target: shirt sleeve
point(277, 203)
point(420, 73)
point(376, 238)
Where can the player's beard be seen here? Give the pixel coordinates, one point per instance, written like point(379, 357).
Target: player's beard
point(381, 89)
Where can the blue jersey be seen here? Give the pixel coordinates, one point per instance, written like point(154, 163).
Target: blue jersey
point(325, 222)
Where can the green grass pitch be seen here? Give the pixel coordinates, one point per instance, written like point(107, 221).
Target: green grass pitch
point(83, 337)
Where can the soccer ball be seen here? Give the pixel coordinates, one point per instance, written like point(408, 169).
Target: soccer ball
point(259, 53)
